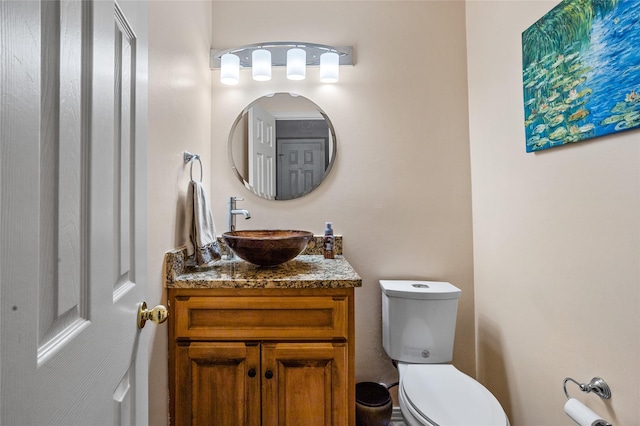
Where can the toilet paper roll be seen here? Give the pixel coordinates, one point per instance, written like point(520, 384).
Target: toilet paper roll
point(581, 414)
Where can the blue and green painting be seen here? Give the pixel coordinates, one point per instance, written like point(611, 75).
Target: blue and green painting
point(581, 72)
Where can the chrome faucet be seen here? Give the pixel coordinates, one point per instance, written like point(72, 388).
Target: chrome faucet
point(232, 211)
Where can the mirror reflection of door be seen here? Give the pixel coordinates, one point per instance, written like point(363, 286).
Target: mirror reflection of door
point(262, 152)
point(302, 147)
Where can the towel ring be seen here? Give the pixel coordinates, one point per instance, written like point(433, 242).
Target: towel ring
point(190, 158)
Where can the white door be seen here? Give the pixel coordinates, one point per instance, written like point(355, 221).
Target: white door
point(73, 213)
point(262, 152)
point(301, 166)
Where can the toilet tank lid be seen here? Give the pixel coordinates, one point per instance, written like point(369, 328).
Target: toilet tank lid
point(416, 289)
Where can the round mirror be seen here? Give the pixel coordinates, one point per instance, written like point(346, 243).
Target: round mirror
point(282, 146)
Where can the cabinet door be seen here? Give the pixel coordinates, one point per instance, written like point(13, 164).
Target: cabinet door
point(304, 384)
point(216, 384)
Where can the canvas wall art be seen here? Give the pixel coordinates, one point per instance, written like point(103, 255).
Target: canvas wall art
point(581, 72)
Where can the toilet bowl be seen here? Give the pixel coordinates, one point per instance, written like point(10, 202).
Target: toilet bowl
point(418, 330)
point(440, 394)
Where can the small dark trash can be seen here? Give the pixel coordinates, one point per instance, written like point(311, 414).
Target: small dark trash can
point(373, 404)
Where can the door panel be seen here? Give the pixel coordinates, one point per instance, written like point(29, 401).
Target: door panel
point(262, 152)
point(215, 386)
point(301, 166)
point(61, 302)
point(306, 385)
point(124, 149)
point(73, 211)
point(124, 400)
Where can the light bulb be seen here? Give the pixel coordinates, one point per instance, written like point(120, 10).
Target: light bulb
point(261, 63)
point(329, 66)
point(229, 69)
point(296, 64)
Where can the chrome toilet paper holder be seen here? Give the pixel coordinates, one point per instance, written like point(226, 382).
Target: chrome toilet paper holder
point(596, 385)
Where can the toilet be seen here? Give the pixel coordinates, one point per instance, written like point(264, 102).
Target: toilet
point(418, 329)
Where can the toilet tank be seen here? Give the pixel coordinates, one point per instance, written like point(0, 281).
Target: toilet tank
point(419, 320)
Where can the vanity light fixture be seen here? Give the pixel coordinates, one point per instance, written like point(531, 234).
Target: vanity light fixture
point(295, 56)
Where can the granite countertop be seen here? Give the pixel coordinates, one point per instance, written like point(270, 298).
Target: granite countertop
point(304, 271)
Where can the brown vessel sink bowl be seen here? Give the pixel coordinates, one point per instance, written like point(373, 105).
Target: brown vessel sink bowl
point(267, 247)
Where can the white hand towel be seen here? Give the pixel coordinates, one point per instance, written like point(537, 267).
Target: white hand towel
point(202, 244)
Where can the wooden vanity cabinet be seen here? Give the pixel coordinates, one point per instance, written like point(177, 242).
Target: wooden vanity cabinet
point(261, 357)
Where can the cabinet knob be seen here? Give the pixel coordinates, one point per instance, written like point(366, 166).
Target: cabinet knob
point(268, 374)
point(252, 372)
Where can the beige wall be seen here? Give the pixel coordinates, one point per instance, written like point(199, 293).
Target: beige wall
point(556, 242)
point(555, 233)
point(399, 191)
point(179, 119)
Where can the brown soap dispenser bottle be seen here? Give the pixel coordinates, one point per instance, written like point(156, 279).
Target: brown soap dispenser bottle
point(327, 242)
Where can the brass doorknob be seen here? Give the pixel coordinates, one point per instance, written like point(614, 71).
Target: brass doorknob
point(157, 315)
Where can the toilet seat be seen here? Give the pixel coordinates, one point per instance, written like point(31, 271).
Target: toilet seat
point(442, 395)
